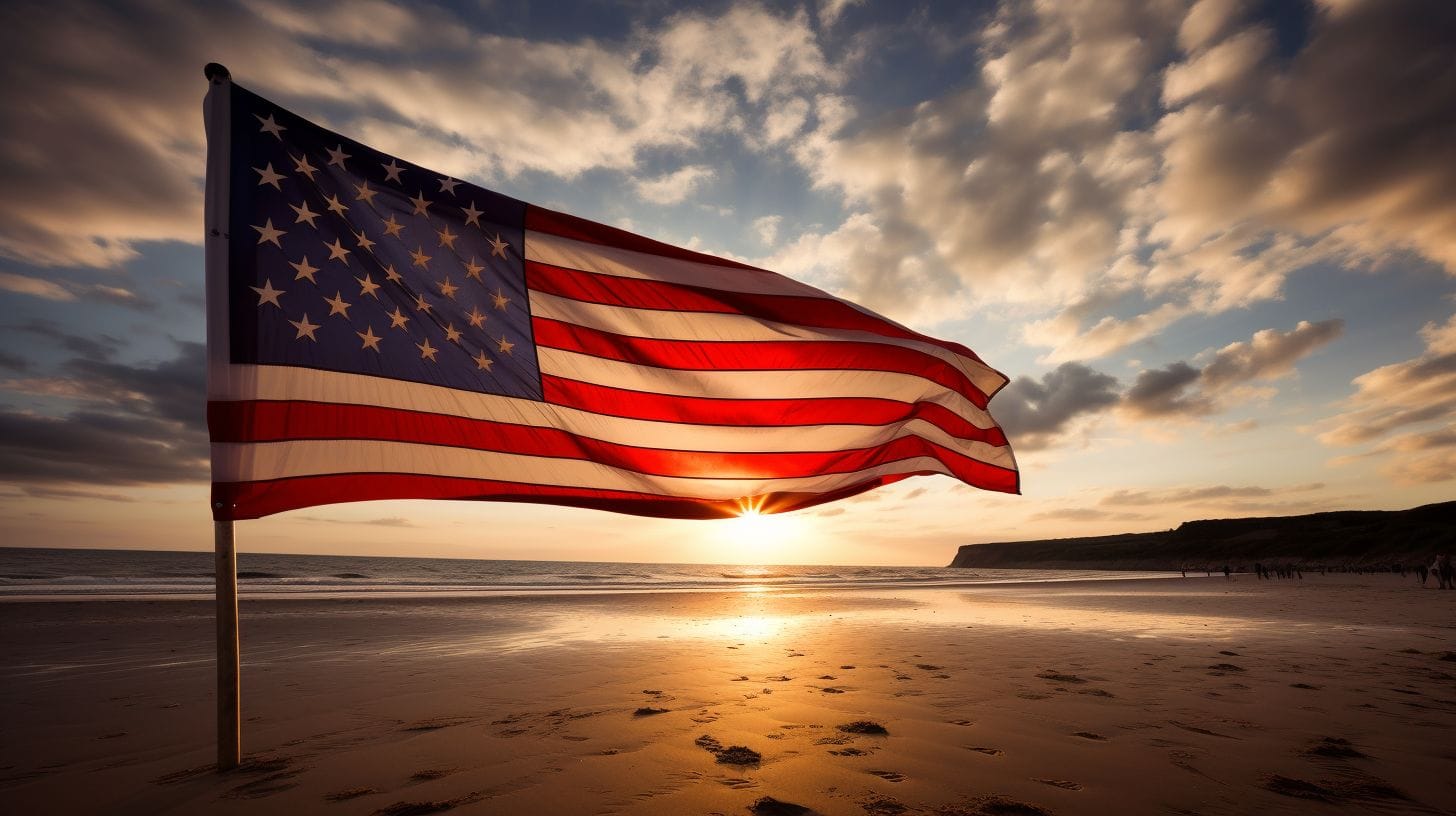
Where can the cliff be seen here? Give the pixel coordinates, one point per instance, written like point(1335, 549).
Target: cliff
point(1352, 537)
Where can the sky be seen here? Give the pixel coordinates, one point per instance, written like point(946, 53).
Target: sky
point(1211, 243)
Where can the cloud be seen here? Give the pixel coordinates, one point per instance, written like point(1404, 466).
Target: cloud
point(1166, 391)
point(1341, 138)
point(673, 187)
point(1401, 395)
point(1034, 413)
point(1181, 390)
point(1211, 494)
point(104, 144)
point(767, 228)
point(143, 425)
point(1269, 354)
point(1086, 514)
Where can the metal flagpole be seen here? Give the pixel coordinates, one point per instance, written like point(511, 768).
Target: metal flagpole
point(217, 113)
point(229, 710)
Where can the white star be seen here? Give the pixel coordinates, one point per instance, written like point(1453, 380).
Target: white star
point(447, 238)
point(305, 214)
point(505, 345)
point(364, 242)
point(452, 334)
point(267, 234)
point(268, 294)
point(397, 319)
point(447, 185)
point(421, 259)
point(305, 328)
point(483, 362)
point(270, 126)
point(393, 227)
point(421, 205)
point(337, 157)
point(391, 274)
point(304, 270)
point(421, 303)
point(301, 165)
point(476, 318)
point(367, 286)
point(364, 194)
point(473, 269)
point(448, 289)
point(337, 206)
point(338, 306)
point(371, 340)
point(269, 176)
point(472, 215)
point(337, 252)
point(498, 247)
point(501, 301)
point(427, 351)
point(392, 171)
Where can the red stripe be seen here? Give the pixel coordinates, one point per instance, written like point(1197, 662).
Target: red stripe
point(248, 500)
point(620, 402)
point(753, 355)
point(541, 219)
point(246, 422)
point(817, 312)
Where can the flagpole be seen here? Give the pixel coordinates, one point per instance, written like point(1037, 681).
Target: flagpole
point(229, 709)
point(216, 115)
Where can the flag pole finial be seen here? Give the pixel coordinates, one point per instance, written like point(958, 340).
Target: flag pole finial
point(216, 72)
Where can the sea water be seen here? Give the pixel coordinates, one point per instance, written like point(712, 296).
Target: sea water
point(60, 574)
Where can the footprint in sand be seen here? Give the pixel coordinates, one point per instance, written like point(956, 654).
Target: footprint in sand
point(351, 793)
point(1088, 735)
point(769, 806)
point(983, 750)
point(889, 776)
point(1058, 783)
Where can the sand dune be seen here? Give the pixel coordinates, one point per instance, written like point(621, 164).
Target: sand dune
point(1331, 695)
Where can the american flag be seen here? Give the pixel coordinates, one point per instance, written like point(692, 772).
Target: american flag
point(377, 330)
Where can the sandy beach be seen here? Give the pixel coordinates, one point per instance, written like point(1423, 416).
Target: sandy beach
point(1334, 694)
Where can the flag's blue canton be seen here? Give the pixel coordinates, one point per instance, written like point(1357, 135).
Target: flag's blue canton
point(347, 259)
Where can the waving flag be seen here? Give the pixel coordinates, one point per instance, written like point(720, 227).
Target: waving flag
point(377, 330)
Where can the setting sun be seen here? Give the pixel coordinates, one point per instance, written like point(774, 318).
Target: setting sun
point(754, 537)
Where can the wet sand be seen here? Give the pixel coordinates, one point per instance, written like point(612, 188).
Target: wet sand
point(1206, 696)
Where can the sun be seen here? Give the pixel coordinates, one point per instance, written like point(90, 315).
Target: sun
point(754, 537)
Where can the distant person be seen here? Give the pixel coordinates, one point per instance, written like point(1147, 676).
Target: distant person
point(1445, 572)
point(1227, 573)
point(1185, 573)
point(1259, 570)
point(1422, 571)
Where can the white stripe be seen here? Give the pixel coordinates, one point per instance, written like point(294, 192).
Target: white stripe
point(281, 460)
point(625, 263)
point(852, 383)
point(288, 383)
point(708, 326)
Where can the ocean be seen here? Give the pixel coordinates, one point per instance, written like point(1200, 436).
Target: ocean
point(71, 574)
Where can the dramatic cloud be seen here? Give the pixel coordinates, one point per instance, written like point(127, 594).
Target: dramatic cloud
point(104, 145)
point(1018, 188)
point(136, 425)
point(1179, 389)
point(1035, 412)
point(1351, 135)
point(1400, 407)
